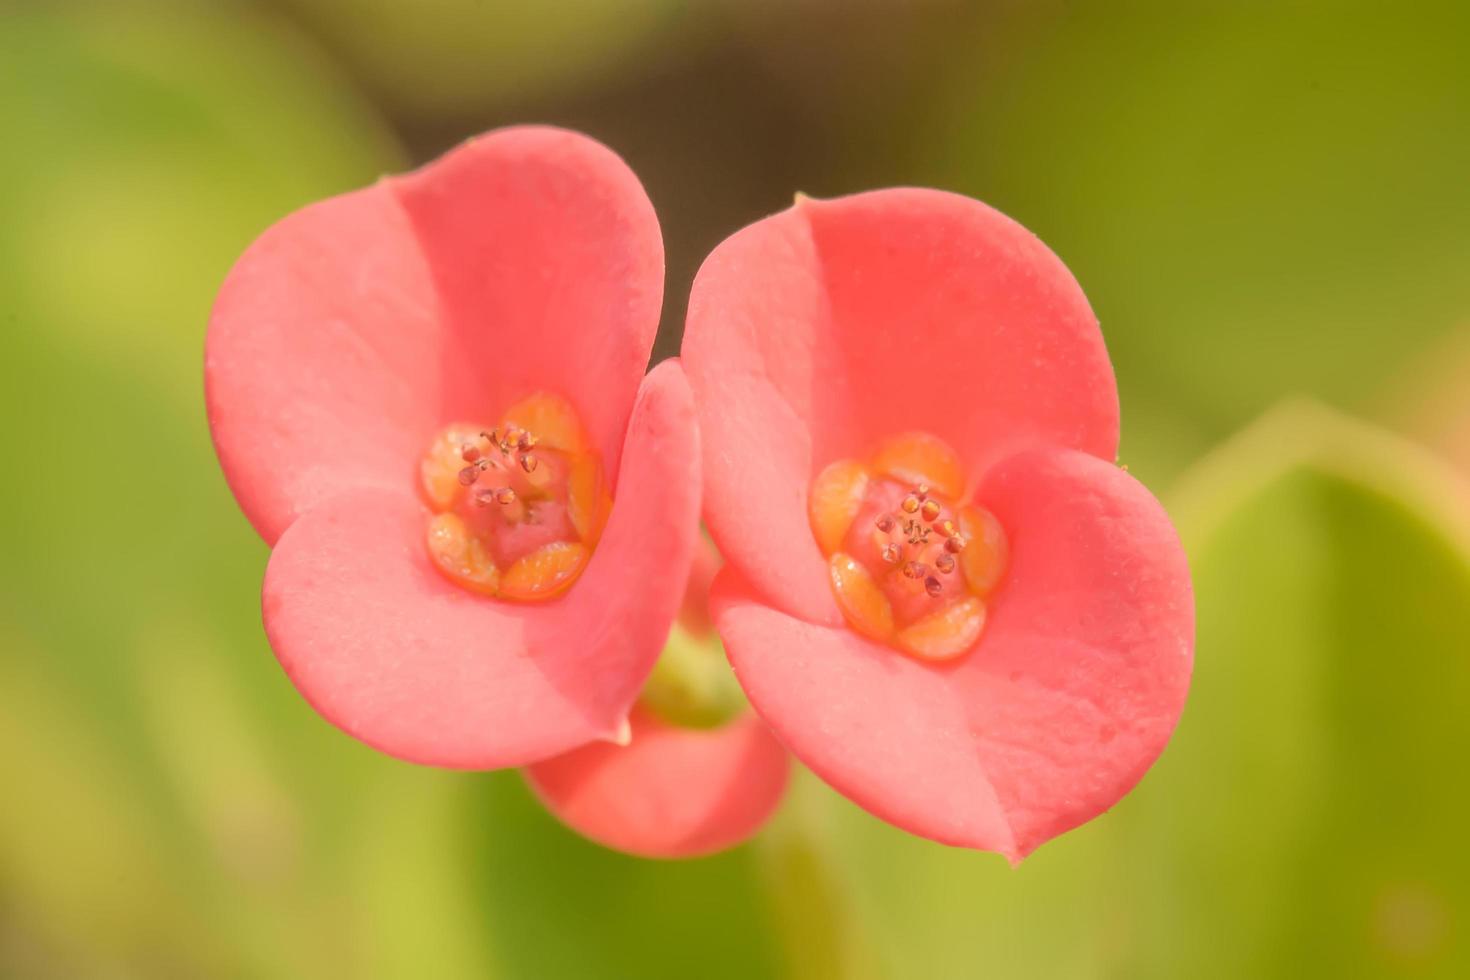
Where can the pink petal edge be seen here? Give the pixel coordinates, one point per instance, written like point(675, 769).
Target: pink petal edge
point(671, 792)
point(816, 332)
point(394, 654)
point(1071, 694)
point(354, 329)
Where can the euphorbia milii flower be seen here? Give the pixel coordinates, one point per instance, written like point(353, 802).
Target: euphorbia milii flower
point(942, 592)
point(429, 397)
point(702, 771)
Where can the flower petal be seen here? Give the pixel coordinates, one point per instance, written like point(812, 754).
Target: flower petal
point(694, 611)
point(548, 262)
point(390, 651)
point(1070, 695)
point(671, 792)
point(351, 331)
point(817, 332)
point(324, 361)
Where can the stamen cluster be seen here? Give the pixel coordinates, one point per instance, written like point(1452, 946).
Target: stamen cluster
point(513, 446)
point(518, 508)
point(919, 519)
point(910, 565)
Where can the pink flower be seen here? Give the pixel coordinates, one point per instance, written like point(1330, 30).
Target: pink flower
point(673, 791)
point(429, 397)
point(942, 593)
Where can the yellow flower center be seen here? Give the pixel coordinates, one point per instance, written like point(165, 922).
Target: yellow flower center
point(518, 507)
point(909, 567)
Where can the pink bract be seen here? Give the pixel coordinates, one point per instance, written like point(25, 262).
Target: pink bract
point(816, 333)
point(671, 792)
point(353, 331)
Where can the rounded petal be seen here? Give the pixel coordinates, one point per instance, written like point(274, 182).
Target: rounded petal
point(353, 330)
point(390, 651)
point(548, 263)
point(324, 361)
point(817, 332)
point(1072, 692)
point(671, 792)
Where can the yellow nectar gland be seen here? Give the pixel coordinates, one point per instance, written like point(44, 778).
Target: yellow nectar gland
point(908, 567)
point(518, 508)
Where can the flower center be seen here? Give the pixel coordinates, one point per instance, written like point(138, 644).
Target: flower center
point(518, 507)
point(908, 566)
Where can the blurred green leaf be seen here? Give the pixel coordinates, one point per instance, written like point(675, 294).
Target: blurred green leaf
point(692, 684)
point(1259, 198)
point(148, 146)
point(556, 905)
point(151, 145)
point(80, 854)
point(1305, 813)
point(822, 934)
point(452, 58)
point(1306, 820)
point(926, 910)
point(1430, 400)
point(173, 808)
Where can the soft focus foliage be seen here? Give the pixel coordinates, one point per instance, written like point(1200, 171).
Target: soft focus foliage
point(485, 52)
point(1260, 200)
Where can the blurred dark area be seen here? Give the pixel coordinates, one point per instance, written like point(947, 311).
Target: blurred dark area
point(725, 111)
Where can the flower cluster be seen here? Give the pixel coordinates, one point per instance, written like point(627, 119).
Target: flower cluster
point(893, 412)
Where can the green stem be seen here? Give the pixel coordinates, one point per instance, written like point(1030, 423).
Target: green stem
point(692, 685)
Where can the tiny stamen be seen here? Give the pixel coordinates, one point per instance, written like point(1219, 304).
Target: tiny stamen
point(945, 563)
point(910, 504)
point(917, 533)
point(892, 553)
point(955, 544)
point(513, 521)
point(933, 586)
point(915, 569)
point(947, 528)
point(930, 510)
point(486, 496)
point(887, 523)
point(922, 491)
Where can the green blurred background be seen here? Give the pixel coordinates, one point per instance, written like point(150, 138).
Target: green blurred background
point(1269, 205)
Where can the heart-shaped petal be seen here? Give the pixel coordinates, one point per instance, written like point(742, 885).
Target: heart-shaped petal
point(392, 652)
point(528, 259)
point(1070, 695)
